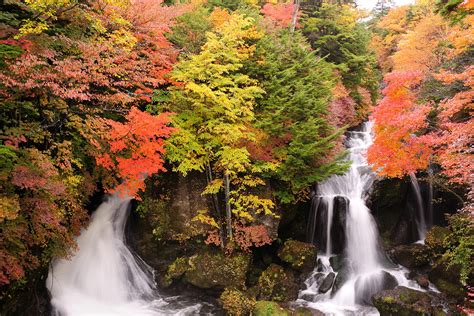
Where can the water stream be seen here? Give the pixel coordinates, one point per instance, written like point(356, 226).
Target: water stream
point(104, 278)
point(362, 269)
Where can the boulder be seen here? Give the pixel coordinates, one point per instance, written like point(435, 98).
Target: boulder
point(267, 308)
point(410, 256)
point(299, 255)
point(338, 228)
point(403, 301)
point(276, 284)
point(337, 262)
point(367, 286)
point(422, 281)
point(341, 278)
point(211, 269)
point(306, 311)
point(236, 302)
point(327, 283)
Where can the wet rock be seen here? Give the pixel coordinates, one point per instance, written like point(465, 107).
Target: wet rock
point(211, 269)
point(410, 256)
point(267, 308)
point(327, 283)
point(447, 280)
point(341, 278)
point(422, 281)
point(306, 311)
point(276, 284)
point(337, 262)
point(338, 228)
point(403, 301)
point(299, 255)
point(368, 286)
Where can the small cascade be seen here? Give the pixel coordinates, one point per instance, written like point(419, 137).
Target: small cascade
point(352, 268)
point(420, 210)
point(104, 278)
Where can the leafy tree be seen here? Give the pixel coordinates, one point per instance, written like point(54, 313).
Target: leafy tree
point(214, 106)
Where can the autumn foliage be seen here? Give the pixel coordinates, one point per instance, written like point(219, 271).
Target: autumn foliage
point(132, 150)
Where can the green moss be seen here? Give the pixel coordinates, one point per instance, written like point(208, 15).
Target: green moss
point(276, 284)
point(176, 270)
point(235, 302)
point(214, 269)
point(267, 308)
point(299, 255)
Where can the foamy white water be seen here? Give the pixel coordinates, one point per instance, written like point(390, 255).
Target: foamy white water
point(364, 265)
point(104, 277)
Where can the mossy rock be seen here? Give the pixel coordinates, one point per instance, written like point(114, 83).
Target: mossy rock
point(236, 302)
point(403, 301)
point(435, 239)
point(299, 255)
point(176, 270)
point(446, 279)
point(276, 284)
point(411, 256)
point(214, 269)
point(267, 308)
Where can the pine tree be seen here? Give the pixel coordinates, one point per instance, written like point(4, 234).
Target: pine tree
point(294, 113)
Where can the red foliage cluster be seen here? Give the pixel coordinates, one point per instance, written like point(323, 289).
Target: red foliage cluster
point(133, 150)
point(48, 219)
point(245, 237)
point(278, 14)
point(397, 148)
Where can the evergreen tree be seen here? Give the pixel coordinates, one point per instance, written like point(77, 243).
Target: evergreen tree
point(294, 113)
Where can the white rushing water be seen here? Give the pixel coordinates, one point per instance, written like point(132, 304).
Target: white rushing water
point(103, 277)
point(364, 268)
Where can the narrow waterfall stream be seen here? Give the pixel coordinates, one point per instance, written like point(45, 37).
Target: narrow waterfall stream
point(104, 278)
point(353, 266)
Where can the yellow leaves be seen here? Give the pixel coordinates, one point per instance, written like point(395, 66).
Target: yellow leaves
point(462, 36)
point(124, 39)
point(214, 187)
point(418, 48)
point(219, 16)
point(204, 218)
point(31, 27)
point(9, 207)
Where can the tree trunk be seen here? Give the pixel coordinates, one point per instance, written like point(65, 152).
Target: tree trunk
point(215, 205)
point(294, 18)
point(227, 206)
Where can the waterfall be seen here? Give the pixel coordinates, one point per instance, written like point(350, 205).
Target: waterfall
point(103, 277)
point(420, 211)
point(363, 272)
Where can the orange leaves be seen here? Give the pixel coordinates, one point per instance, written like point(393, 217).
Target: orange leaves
point(133, 149)
point(397, 150)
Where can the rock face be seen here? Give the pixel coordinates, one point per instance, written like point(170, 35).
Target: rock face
point(211, 269)
point(276, 284)
point(299, 255)
point(327, 283)
point(378, 282)
point(317, 221)
point(410, 256)
point(403, 301)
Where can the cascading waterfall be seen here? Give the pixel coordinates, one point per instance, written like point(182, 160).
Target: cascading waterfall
point(364, 271)
point(420, 211)
point(103, 277)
